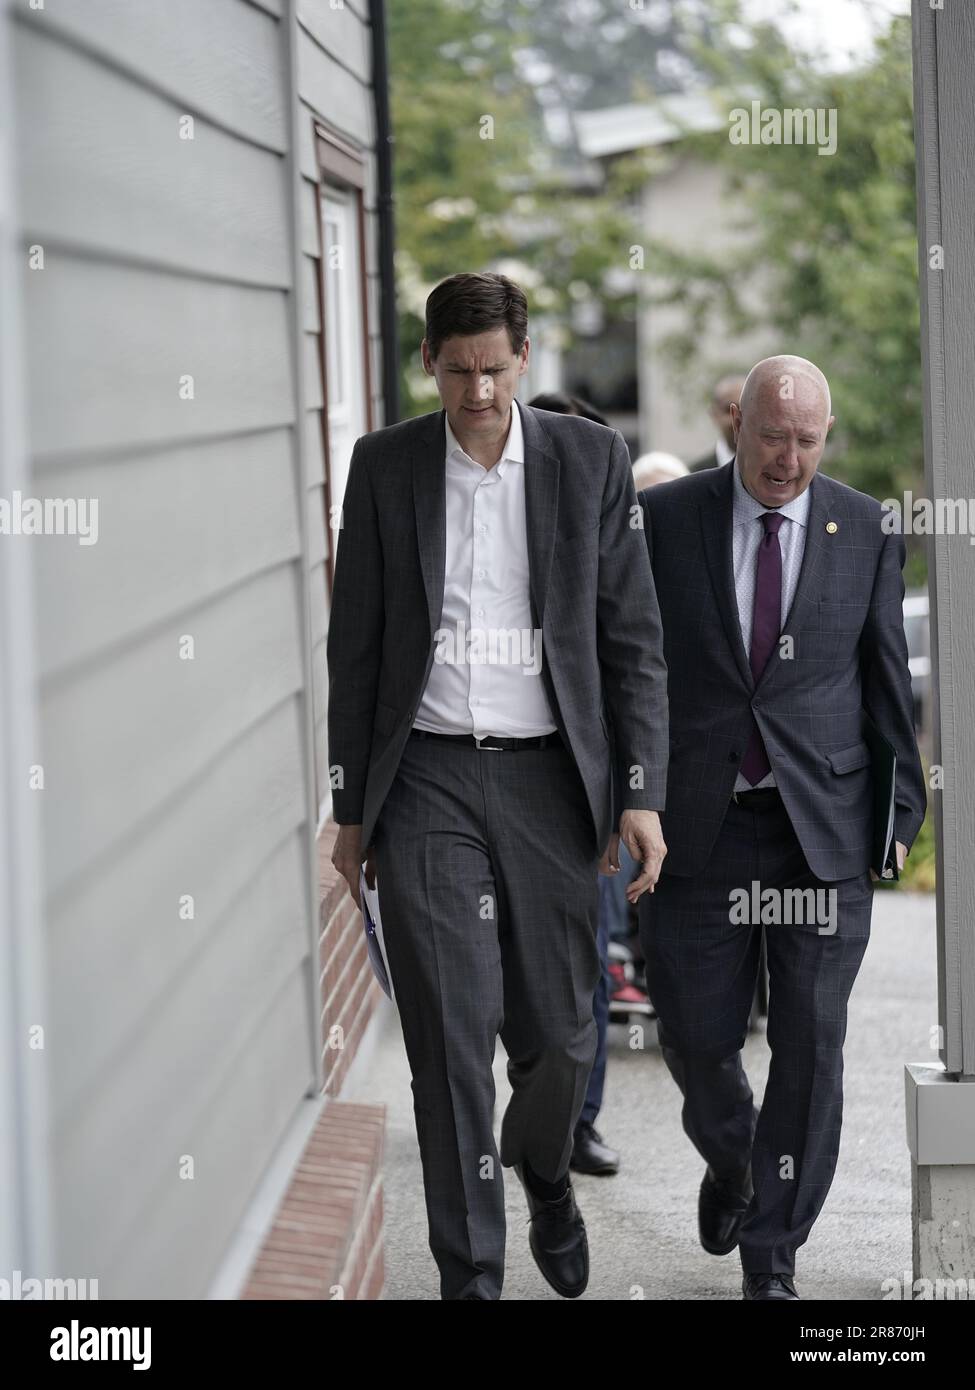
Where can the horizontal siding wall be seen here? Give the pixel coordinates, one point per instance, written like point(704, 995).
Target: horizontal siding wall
point(334, 83)
point(179, 1047)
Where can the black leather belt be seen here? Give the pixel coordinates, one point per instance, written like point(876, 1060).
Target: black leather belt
point(491, 741)
point(757, 798)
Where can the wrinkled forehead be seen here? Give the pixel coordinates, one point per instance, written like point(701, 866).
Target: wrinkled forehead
point(789, 398)
point(477, 351)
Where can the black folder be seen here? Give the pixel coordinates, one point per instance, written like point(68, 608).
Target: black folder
point(883, 764)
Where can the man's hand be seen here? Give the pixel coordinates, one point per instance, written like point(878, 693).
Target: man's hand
point(901, 856)
point(610, 862)
point(641, 833)
point(347, 857)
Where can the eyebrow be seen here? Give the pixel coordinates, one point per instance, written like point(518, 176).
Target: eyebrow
point(777, 429)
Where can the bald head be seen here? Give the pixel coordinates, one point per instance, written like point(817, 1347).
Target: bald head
point(780, 427)
point(783, 376)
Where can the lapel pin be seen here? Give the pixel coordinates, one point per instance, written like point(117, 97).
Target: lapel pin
point(831, 528)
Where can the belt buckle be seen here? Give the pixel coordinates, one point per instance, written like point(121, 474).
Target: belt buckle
point(480, 744)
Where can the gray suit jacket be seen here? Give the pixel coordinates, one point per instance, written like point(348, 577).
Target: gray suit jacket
point(849, 657)
point(591, 595)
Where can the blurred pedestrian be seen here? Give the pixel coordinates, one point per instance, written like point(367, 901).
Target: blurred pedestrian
point(726, 393)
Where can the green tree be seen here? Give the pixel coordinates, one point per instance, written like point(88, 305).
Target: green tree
point(477, 87)
point(832, 243)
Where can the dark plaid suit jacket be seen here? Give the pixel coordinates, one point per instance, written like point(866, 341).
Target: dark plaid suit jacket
point(849, 656)
point(591, 596)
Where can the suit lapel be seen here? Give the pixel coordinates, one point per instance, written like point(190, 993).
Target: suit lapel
point(716, 524)
point(430, 508)
point(541, 507)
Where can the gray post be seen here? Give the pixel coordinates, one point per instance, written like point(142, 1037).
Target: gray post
point(941, 1099)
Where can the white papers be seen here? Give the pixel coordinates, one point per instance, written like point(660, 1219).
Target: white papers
point(370, 901)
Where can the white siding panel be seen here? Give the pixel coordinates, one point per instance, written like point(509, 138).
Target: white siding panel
point(314, 448)
point(127, 735)
point(156, 966)
point(310, 243)
point(340, 32)
point(318, 594)
point(102, 164)
point(312, 365)
point(221, 59)
point(120, 923)
point(315, 551)
point(333, 92)
point(311, 320)
point(320, 679)
point(236, 1137)
point(206, 1022)
point(118, 341)
point(177, 526)
point(307, 156)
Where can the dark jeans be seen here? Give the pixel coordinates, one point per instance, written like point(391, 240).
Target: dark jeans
point(613, 925)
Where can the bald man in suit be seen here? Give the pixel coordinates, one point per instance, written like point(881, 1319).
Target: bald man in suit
point(780, 592)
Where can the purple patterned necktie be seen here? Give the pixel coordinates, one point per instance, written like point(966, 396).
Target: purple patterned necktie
point(766, 628)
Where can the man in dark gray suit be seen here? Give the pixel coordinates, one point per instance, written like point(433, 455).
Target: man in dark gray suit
point(497, 706)
point(781, 593)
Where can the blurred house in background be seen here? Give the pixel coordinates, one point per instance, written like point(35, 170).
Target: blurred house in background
point(194, 254)
point(682, 203)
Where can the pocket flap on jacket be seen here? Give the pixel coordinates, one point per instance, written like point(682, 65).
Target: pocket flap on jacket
point(846, 759)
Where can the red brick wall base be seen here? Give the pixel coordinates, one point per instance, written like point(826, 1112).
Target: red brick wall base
point(326, 1241)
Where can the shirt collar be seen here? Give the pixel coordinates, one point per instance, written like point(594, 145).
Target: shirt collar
point(747, 508)
point(514, 445)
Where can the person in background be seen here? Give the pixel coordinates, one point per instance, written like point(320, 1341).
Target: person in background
point(589, 1152)
point(726, 393)
point(657, 467)
point(563, 404)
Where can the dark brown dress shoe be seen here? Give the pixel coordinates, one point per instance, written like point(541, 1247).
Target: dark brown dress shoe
point(721, 1208)
point(557, 1239)
point(772, 1288)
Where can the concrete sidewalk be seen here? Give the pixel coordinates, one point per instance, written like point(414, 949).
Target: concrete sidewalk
point(642, 1224)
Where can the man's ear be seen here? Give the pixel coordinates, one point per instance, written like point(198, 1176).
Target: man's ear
point(735, 420)
point(425, 358)
point(523, 357)
point(832, 420)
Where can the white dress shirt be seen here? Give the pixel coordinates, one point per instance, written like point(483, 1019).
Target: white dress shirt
point(486, 672)
point(747, 532)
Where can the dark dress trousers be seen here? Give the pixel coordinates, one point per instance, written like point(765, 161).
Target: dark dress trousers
point(847, 657)
point(486, 859)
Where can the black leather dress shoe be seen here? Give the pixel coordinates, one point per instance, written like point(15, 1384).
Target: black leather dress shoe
point(558, 1241)
point(772, 1288)
point(590, 1154)
point(721, 1208)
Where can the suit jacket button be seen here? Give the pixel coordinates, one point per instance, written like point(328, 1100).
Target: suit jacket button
point(733, 757)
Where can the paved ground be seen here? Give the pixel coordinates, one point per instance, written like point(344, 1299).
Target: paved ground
point(642, 1223)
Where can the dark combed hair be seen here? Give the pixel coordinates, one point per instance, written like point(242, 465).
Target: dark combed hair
point(469, 303)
